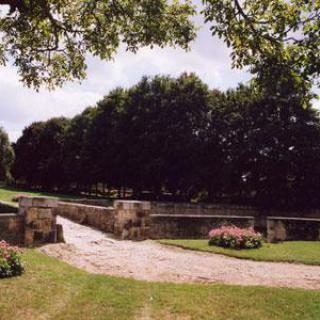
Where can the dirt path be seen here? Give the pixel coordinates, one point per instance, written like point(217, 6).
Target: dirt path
point(97, 252)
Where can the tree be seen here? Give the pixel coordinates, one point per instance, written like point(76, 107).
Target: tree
point(278, 40)
point(173, 134)
point(26, 165)
point(40, 154)
point(103, 147)
point(270, 151)
point(162, 125)
point(77, 159)
point(48, 39)
point(6, 157)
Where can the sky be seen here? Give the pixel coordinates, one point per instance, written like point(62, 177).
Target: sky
point(208, 58)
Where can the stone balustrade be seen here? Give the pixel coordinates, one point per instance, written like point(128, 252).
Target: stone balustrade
point(132, 219)
point(35, 223)
point(98, 217)
point(40, 224)
point(292, 228)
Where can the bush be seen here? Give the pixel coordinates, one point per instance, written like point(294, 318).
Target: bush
point(10, 261)
point(234, 237)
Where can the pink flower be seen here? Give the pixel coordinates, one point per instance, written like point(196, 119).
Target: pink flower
point(234, 237)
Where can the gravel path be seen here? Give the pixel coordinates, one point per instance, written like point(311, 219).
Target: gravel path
point(98, 252)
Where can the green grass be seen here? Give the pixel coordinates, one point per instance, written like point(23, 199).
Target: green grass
point(306, 252)
point(51, 289)
point(7, 193)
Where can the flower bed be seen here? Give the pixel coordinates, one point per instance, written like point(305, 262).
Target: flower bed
point(234, 237)
point(10, 260)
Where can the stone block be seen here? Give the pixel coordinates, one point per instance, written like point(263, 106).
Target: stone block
point(22, 210)
point(42, 202)
point(146, 205)
point(31, 215)
point(276, 230)
point(60, 236)
point(124, 234)
point(25, 202)
point(44, 213)
point(28, 236)
point(118, 205)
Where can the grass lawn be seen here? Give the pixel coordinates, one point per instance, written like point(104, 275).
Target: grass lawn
point(7, 193)
point(51, 289)
point(306, 252)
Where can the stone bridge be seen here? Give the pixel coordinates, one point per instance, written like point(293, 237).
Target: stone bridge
point(35, 222)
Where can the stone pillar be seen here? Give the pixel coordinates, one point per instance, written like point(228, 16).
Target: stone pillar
point(276, 230)
point(132, 219)
point(40, 221)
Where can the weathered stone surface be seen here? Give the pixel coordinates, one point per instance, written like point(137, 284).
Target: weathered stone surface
point(38, 219)
point(25, 202)
point(60, 235)
point(41, 202)
point(179, 226)
point(30, 215)
point(292, 228)
point(38, 202)
point(138, 220)
point(45, 213)
point(12, 228)
point(98, 217)
point(28, 237)
point(132, 219)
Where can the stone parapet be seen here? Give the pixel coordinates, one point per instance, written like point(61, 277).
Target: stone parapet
point(169, 208)
point(40, 225)
point(292, 228)
point(132, 219)
point(192, 226)
point(12, 228)
point(98, 217)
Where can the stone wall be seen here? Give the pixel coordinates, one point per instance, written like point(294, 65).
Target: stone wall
point(171, 208)
point(34, 224)
point(12, 228)
point(180, 226)
point(40, 225)
point(90, 202)
point(101, 218)
point(138, 220)
point(292, 228)
point(132, 219)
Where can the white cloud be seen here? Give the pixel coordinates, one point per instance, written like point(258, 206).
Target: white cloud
point(20, 106)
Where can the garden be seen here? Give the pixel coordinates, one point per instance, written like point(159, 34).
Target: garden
point(248, 139)
point(51, 289)
point(39, 286)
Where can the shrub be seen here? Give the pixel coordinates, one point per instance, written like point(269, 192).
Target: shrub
point(10, 260)
point(234, 237)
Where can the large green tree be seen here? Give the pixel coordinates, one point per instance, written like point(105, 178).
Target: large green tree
point(6, 156)
point(278, 40)
point(173, 137)
point(47, 40)
point(78, 162)
point(40, 154)
point(270, 150)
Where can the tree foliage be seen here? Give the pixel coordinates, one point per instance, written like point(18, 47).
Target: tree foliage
point(174, 138)
point(48, 39)
point(6, 156)
point(40, 154)
point(278, 40)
